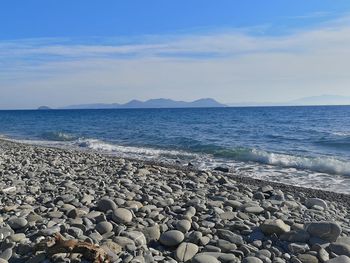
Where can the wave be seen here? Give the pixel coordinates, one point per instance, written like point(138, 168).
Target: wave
point(58, 136)
point(318, 164)
point(208, 153)
point(99, 145)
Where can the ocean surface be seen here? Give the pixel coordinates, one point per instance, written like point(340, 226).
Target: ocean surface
point(306, 146)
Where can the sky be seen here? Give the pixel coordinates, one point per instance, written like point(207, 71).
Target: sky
point(64, 52)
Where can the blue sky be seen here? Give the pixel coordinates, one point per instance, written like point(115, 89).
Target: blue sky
point(66, 52)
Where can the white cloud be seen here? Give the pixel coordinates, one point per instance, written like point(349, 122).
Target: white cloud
point(230, 66)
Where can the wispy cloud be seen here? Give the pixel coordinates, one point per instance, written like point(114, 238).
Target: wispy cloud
point(231, 66)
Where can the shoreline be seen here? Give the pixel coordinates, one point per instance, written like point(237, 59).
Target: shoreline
point(289, 188)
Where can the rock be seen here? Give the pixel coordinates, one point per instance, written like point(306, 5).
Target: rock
point(230, 236)
point(172, 238)
point(311, 202)
point(202, 258)
point(298, 248)
point(252, 260)
point(17, 237)
point(307, 258)
point(151, 233)
point(328, 231)
point(122, 215)
point(104, 227)
point(276, 226)
point(186, 251)
point(17, 222)
point(114, 247)
point(340, 259)
point(137, 236)
point(183, 226)
point(106, 204)
point(299, 236)
point(340, 249)
point(254, 209)
point(222, 169)
point(323, 255)
point(6, 254)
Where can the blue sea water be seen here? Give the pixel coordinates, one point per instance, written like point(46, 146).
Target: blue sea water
point(307, 146)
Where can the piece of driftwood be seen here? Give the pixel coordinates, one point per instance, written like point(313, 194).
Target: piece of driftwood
point(59, 244)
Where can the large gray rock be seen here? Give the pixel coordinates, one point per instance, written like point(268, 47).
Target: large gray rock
point(276, 226)
point(172, 238)
point(328, 231)
point(186, 251)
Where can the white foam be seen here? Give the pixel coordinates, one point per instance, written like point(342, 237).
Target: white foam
point(99, 145)
point(319, 164)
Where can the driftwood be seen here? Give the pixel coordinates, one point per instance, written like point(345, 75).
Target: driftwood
point(58, 244)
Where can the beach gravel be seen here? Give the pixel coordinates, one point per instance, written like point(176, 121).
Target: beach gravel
point(145, 212)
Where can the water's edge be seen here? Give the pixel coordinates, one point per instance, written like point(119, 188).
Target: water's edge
point(242, 174)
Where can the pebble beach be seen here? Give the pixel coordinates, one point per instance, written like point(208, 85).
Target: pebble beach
point(60, 205)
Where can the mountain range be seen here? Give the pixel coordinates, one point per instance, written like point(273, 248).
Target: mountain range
point(152, 103)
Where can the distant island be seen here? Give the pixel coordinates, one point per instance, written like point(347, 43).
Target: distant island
point(44, 108)
point(152, 103)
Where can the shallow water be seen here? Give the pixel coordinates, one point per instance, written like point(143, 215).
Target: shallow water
point(307, 146)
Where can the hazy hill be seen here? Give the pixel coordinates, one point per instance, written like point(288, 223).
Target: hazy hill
point(153, 103)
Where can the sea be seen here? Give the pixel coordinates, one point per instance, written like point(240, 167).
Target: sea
point(304, 146)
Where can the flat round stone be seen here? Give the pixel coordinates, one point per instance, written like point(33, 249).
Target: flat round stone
point(172, 238)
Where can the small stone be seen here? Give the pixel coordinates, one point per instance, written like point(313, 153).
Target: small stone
point(104, 227)
point(340, 249)
point(340, 259)
point(276, 226)
point(172, 238)
point(151, 233)
point(230, 236)
point(6, 254)
point(307, 258)
point(311, 202)
point(202, 258)
point(252, 260)
point(137, 236)
point(122, 215)
point(298, 248)
point(106, 204)
point(254, 209)
point(186, 251)
point(17, 222)
point(183, 225)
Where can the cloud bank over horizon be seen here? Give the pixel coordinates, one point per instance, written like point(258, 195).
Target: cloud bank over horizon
point(230, 65)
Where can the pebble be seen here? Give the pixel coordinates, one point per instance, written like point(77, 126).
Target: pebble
point(328, 231)
point(122, 215)
point(201, 258)
point(186, 251)
point(172, 238)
